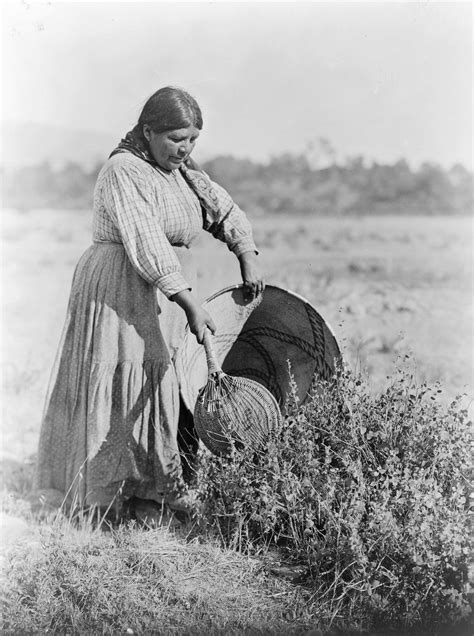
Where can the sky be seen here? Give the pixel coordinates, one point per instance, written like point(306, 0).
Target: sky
point(380, 79)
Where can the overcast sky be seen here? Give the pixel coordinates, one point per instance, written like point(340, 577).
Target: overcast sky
point(386, 80)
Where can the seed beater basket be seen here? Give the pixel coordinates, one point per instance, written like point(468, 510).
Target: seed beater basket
point(233, 409)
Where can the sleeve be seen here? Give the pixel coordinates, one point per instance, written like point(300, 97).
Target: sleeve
point(233, 227)
point(132, 204)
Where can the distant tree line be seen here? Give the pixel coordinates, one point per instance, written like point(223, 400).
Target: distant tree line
point(289, 183)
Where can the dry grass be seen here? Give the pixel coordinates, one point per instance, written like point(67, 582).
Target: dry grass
point(388, 286)
point(83, 581)
point(72, 572)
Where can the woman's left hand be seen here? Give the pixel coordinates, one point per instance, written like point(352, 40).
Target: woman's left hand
point(252, 275)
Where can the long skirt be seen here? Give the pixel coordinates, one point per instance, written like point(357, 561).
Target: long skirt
point(109, 428)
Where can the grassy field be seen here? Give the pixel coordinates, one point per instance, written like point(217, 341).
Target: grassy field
point(387, 286)
point(397, 293)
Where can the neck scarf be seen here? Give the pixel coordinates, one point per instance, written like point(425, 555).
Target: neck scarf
point(213, 215)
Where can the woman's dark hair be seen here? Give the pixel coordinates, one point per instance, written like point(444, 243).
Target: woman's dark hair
point(169, 109)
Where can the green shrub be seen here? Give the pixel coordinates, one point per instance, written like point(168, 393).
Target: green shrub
point(369, 493)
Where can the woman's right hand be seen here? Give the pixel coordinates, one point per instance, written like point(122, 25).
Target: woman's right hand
point(198, 318)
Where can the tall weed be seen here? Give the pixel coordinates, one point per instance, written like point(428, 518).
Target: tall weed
point(368, 493)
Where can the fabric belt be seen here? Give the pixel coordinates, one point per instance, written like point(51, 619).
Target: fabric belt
point(186, 247)
point(107, 243)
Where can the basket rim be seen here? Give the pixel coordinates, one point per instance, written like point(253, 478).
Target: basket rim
point(288, 291)
point(187, 342)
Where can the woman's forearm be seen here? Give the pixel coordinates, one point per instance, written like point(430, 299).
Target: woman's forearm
point(249, 256)
point(198, 318)
point(186, 300)
point(252, 275)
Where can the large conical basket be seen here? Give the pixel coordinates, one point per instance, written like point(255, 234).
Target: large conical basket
point(258, 340)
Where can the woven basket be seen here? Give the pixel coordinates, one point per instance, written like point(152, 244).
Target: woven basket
point(231, 409)
point(258, 339)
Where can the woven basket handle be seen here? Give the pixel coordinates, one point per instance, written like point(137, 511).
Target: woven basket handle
point(212, 364)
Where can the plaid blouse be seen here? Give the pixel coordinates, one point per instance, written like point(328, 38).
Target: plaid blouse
point(149, 211)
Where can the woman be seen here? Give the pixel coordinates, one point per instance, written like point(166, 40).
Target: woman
point(109, 431)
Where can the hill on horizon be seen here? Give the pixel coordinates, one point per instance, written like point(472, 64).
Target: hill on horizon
point(48, 166)
point(29, 143)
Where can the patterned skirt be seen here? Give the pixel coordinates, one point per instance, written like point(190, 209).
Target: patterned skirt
point(109, 428)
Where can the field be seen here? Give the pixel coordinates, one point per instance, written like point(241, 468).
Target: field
point(389, 287)
point(398, 294)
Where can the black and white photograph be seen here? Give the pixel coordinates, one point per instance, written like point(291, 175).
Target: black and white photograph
point(237, 362)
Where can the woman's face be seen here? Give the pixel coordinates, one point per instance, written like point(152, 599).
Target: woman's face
point(171, 148)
